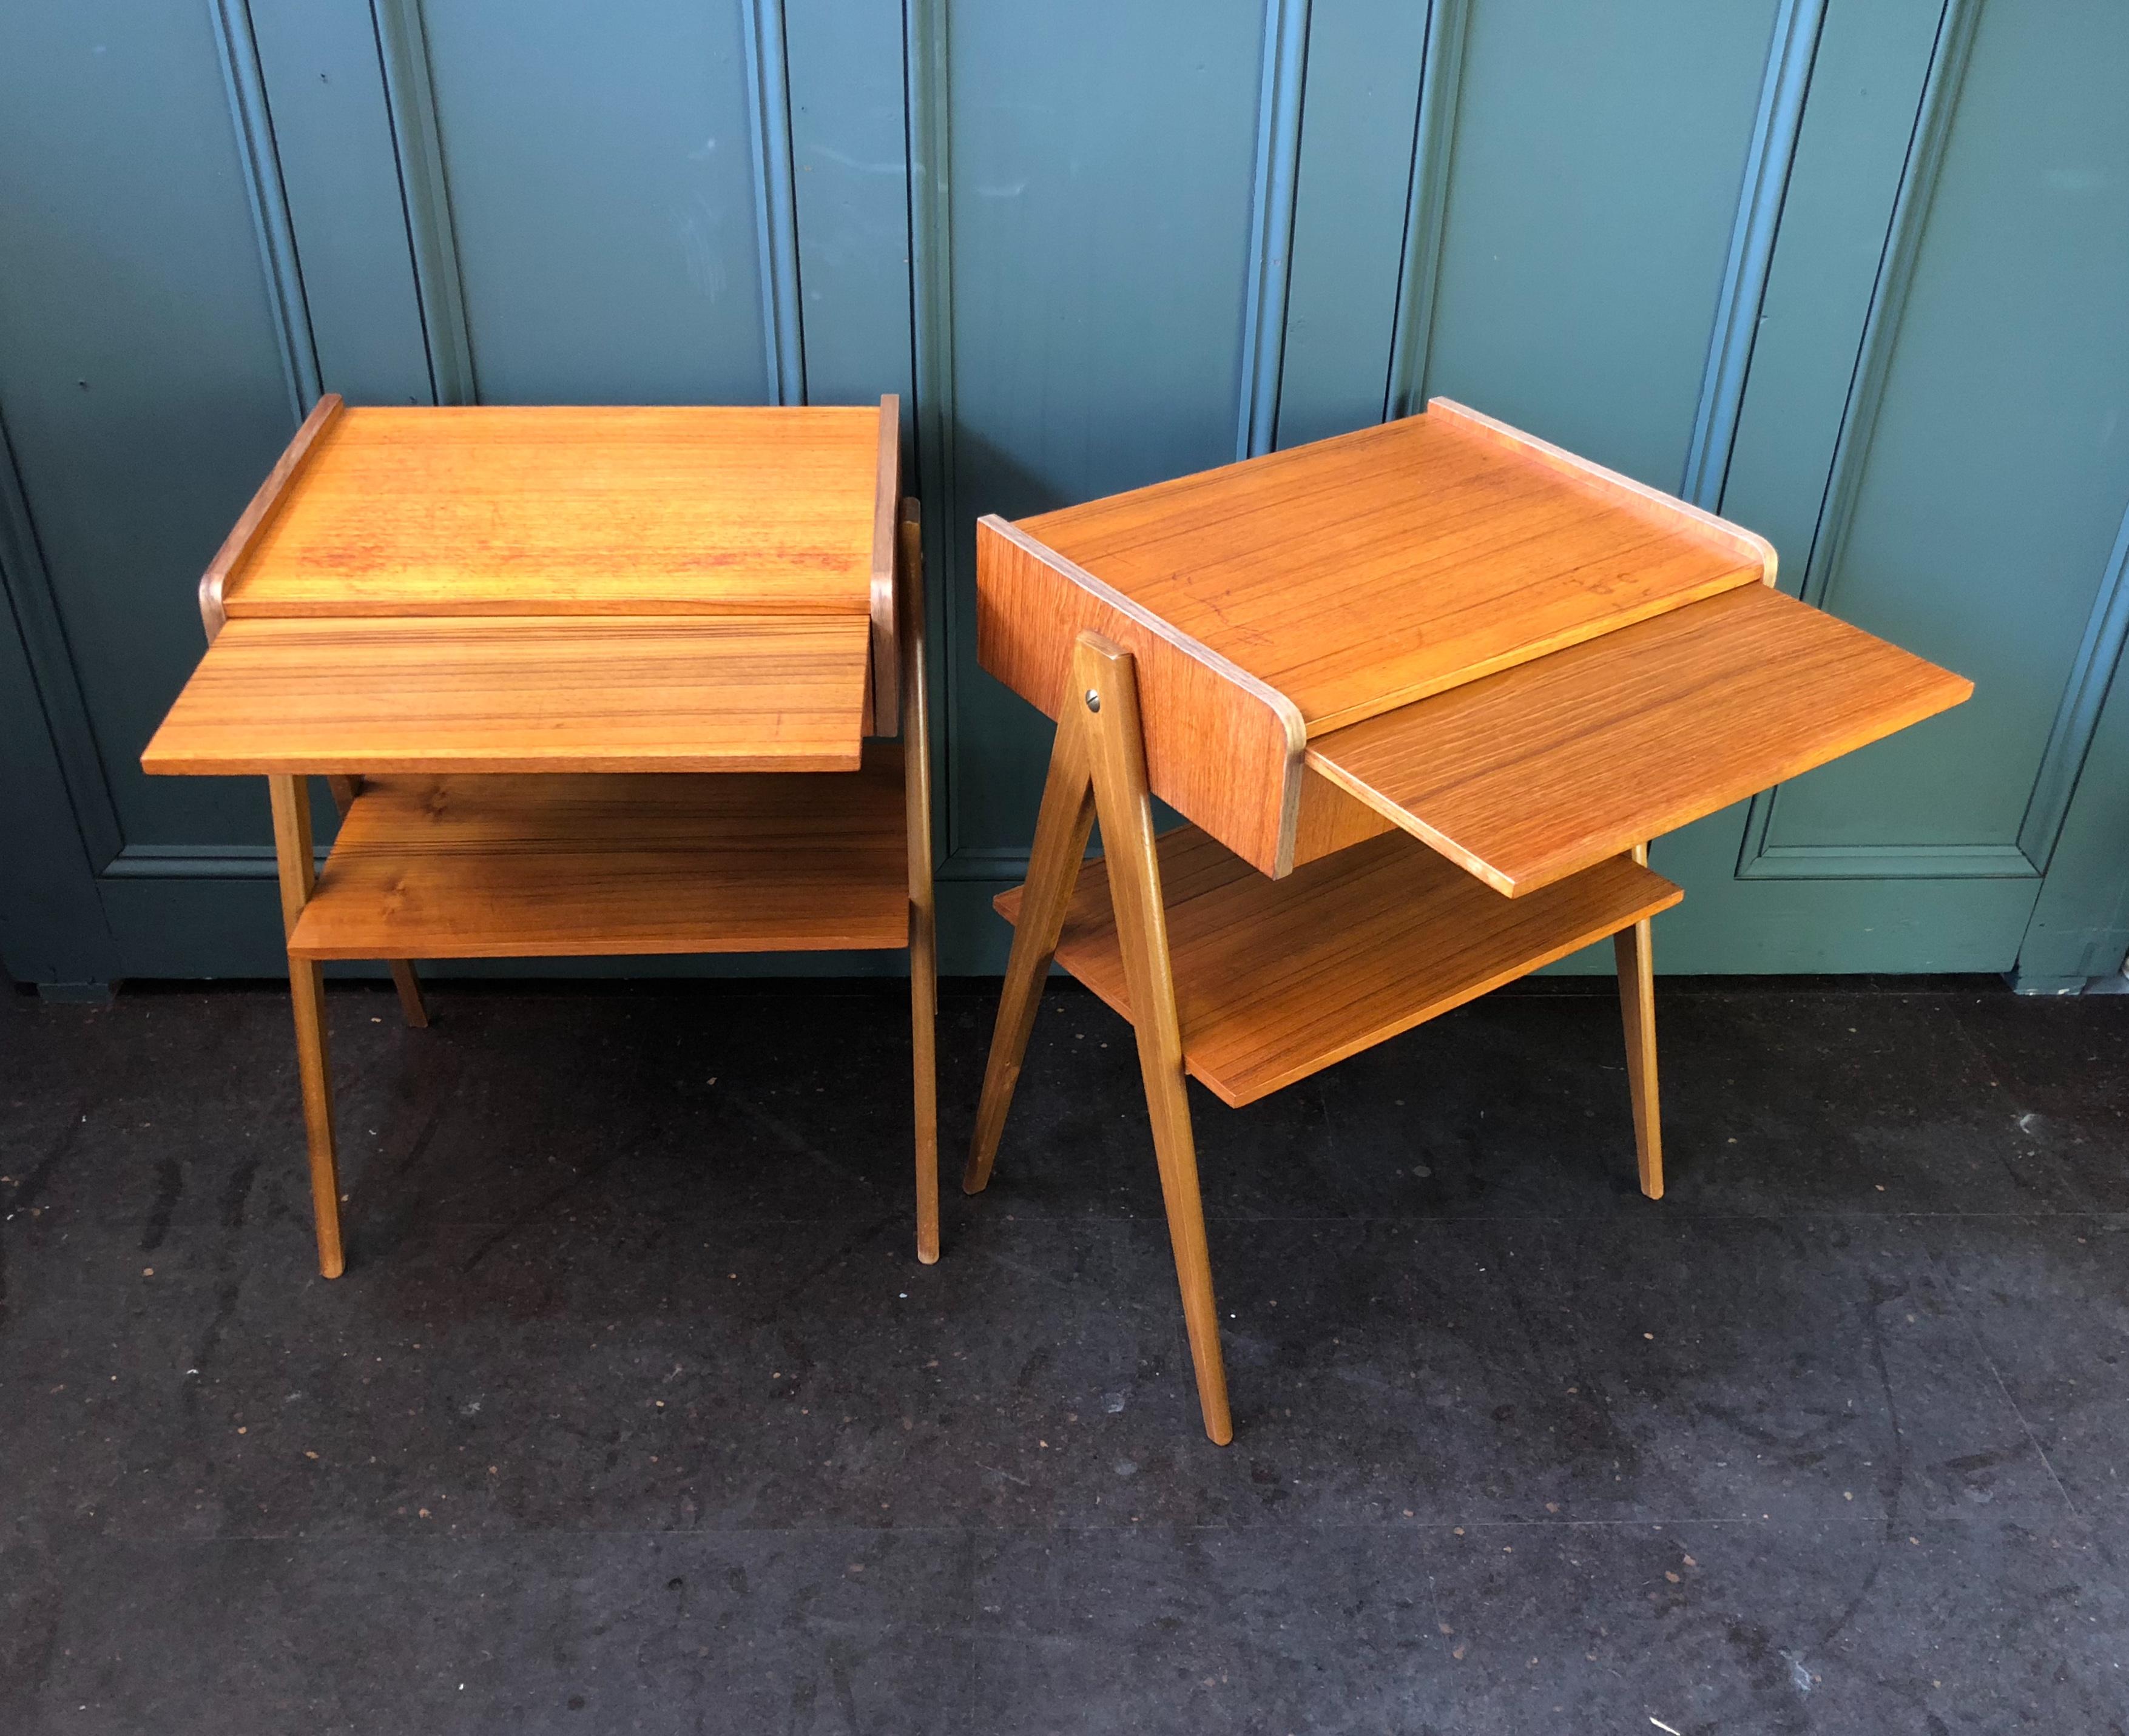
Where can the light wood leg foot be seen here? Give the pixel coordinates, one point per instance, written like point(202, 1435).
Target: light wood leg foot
point(1637, 1002)
point(1133, 874)
point(290, 798)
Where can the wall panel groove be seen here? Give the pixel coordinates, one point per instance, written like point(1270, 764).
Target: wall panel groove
point(1426, 209)
point(402, 47)
point(1888, 298)
point(1789, 62)
point(57, 699)
point(2098, 654)
point(776, 218)
point(925, 71)
point(238, 50)
point(1756, 859)
point(1271, 227)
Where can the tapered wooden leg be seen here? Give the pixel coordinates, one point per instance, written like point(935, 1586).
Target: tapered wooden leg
point(1637, 1002)
point(1103, 678)
point(923, 919)
point(344, 790)
point(292, 851)
point(1062, 827)
point(410, 1003)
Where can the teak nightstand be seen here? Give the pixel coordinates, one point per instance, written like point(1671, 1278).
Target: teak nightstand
point(1425, 692)
point(575, 675)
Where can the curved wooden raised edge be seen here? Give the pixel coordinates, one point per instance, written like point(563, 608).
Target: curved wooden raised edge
point(263, 504)
point(1284, 709)
point(1748, 544)
point(883, 703)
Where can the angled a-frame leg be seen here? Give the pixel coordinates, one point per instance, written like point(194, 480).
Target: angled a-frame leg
point(291, 798)
point(344, 790)
point(1637, 1003)
point(1098, 767)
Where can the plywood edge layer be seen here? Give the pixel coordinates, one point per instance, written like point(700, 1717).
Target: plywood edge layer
point(1682, 515)
point(1222, 747)
point(214, 582)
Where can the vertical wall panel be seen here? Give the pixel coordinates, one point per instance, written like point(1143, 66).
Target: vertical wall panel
point(851, 159)
point(1101, 179)
point(1356, 145)
point(332, 135)
point(1843, 184)
point(603, 193)
point(1998, 462)
point(141, 376)
point(1597, 158)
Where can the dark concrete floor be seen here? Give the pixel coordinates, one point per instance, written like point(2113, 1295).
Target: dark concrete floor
point(635, 1411)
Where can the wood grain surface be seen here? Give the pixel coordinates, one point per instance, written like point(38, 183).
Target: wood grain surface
point(1358, 574)
point(1275, 980)
point(1532, 775)
point(558, 510)
point(510, 867)
point(619, 694)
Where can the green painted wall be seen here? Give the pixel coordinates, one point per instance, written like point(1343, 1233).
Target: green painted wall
point(1850, 271)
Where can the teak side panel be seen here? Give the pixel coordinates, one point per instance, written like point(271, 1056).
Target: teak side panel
point(1531, 775)
point(440, 694)
point(491, 510)
point(1361, 572)
point(558, 866)
point(1220, 748)
point(1275, 980)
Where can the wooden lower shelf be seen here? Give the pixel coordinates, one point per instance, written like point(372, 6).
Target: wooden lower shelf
point(1276, 979)
point(548, 866)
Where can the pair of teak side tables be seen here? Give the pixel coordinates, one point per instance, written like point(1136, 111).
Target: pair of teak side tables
point(613, 682)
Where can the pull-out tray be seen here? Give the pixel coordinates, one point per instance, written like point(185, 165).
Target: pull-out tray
point(439, 693)
point(1277, 979)
point(1530, 776)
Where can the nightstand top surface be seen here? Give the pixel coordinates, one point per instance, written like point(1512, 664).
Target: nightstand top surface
point(559, 509)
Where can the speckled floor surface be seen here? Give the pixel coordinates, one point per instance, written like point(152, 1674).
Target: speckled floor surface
point(635, 1411)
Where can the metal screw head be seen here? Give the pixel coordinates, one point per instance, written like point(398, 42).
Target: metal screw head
point(1093, 700)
